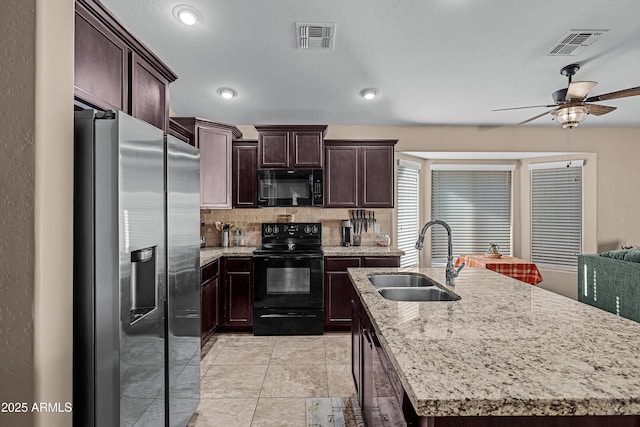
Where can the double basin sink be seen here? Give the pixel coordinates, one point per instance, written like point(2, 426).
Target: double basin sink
point(410, 287)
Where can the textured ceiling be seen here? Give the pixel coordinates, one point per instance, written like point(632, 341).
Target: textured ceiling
point(435, 62)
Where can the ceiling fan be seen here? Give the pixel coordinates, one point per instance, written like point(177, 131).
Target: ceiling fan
point(571, 105)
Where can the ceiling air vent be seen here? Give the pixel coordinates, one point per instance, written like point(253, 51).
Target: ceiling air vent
point(574, 42)
point(315, 36)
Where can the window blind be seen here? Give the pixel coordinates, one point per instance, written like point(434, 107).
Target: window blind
point(556, 216)
point(477, 206)
point(408, 212)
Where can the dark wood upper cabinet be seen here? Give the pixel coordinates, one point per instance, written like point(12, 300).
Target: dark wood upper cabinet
point(245, 170)
point(341, 176)
point(376, 173)
point(359, 174)
point(101, 63)
point(149, 94)
point(115, 71)
point(214, 141)
point(293, 147)
point(273, 151)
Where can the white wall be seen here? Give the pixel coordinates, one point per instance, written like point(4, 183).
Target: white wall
point(36, 197)
point(53, 290)
point(17, 168)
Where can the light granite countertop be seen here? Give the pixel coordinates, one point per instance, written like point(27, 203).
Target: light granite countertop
point(210, 254)
point(505, 348)
point(213, 253)
point(361, 251)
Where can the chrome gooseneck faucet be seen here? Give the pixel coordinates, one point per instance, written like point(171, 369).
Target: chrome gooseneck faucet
point(451, 272)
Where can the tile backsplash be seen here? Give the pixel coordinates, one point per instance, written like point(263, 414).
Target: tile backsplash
point(250, 220)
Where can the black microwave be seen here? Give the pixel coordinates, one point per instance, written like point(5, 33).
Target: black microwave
point(282, 187)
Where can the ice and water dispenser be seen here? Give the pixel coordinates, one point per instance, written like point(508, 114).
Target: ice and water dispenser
point(144, 283)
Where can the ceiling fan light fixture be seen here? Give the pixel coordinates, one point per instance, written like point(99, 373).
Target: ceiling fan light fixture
point(186, 14)
point(227, 93)
point(369, 93)
point(570, 117)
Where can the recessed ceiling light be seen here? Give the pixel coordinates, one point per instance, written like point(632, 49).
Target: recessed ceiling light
point(369, 93)
point(227, 92)
point(186, 14)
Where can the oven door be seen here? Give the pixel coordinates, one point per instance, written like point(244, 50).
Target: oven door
point(288, 281)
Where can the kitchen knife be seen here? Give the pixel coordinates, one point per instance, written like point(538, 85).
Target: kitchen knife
point(366, 223)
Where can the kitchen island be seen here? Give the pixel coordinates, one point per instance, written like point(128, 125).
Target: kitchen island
point(504, 352)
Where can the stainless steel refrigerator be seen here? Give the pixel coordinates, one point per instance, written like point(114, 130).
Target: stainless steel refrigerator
point(136, 274)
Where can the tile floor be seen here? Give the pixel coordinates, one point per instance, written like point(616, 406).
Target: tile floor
point(264, 381)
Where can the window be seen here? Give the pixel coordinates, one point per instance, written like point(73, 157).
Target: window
point(556, 214)
point(408, 211)
point(475, 200)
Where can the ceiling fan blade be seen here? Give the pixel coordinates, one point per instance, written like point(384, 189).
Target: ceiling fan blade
point(633, 91)
point(579, 90)
point(521, 108)
point(598, 110)
point(535, 117)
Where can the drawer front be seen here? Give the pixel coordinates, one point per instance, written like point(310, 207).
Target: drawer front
point(209, 271)
point(238, 264)
point(383, 261)
point(341, 263)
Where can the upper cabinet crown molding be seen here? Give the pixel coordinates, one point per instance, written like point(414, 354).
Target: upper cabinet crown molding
point(288, 128)
point(180, 132)
point(192, 122)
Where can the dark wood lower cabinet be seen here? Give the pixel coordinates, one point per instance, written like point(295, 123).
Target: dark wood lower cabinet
point(209, 302)
point(338, 290)
point(355, 345)
point(384, 401)
point(237, 294)
point(380, 393)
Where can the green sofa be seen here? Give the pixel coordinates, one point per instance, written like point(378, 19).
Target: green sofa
point(611, 282)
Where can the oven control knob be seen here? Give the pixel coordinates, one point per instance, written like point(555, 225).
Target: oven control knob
point(268, 229)
point(276, 229)
point(307, 229)
point(314, 229)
